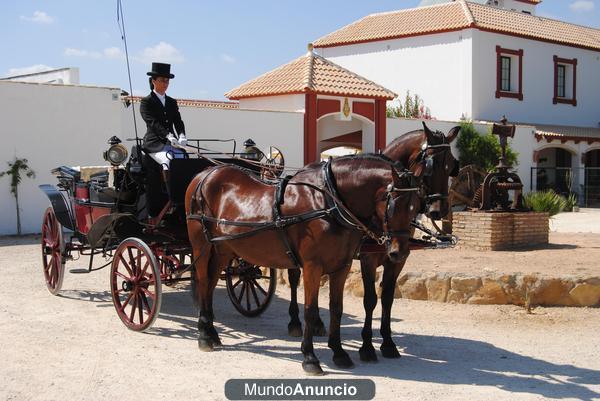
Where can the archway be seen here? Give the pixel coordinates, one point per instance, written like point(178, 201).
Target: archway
point(554, 170)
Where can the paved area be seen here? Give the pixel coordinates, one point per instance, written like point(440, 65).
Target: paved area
point(584, 221)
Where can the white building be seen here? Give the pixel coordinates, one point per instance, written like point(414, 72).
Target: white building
point(484, 59)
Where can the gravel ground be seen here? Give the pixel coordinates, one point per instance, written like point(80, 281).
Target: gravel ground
point(73, 346)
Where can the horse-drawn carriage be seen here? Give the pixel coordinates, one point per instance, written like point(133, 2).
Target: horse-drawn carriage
point(317, 220)
point(106, 210)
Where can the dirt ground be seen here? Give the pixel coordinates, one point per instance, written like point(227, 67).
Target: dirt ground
point(73, 346)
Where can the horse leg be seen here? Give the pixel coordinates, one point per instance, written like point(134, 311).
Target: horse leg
point(311, 277)
point(336, 307)
point(295, 326)
point(368, 268)
point(202, 292)
point(391, 271)
point(215, 266)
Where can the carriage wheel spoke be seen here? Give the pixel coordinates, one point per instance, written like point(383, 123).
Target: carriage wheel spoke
point(259, 287)
point(265, 277)
point(254, 295)
point(124, 277)
point(236, 283)
point(133, 307)
point(146, 303)
point(248, 297)
point(132, 261)
point(148, 293)
point(127, 267)
point(239, 298)
point(124, 305)
point(140, 308)
point(138, 262)
point(145, 269)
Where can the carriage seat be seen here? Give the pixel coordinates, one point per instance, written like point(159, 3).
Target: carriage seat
point(87, 172)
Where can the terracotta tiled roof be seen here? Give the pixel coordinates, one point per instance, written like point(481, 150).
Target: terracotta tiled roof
point(566, 133)
point(210, 104)
point(310, 73)
point(459, 15)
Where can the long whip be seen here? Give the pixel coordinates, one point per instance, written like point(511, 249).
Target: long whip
point(121, 24)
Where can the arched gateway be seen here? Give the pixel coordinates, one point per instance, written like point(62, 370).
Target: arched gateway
point(340, 107)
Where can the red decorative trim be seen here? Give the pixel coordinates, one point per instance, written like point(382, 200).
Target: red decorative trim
point(499, 93)
point(364, 109)
point(327, 106)
point(563, 139)
point(310, 128)
point(573, 63)
point(380, 125)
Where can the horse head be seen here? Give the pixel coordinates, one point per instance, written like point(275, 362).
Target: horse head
point(427, 154)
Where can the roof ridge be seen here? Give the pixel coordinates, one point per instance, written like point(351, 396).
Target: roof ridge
point(448, 4)
point(308, 78)
point(355, 75)
point(468, 13)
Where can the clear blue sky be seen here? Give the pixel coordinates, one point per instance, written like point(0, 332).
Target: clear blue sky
point(213, 46)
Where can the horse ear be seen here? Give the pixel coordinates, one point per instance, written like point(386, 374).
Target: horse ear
point(428, 132)
point(453, 134)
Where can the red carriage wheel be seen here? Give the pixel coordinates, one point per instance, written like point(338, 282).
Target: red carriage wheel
point(135, 284)
point(52, 252)
point(250, 287)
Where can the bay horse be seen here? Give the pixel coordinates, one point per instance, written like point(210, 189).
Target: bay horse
point(231, 214)
point(427, 155)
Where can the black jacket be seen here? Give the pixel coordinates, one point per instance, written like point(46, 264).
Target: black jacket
point(160, 121)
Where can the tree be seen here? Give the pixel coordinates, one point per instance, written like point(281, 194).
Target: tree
point(15, 169)
point(481, 150)
point(413, 107)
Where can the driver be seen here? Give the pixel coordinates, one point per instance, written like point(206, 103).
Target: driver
point(165, 129)
point(251, 152)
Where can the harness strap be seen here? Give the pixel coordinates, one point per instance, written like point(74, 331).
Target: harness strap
point(332, 199)
point(278, 201)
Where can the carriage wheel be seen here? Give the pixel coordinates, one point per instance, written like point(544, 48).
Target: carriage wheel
point(52, 249)
point(250, 287)
point(135, 284)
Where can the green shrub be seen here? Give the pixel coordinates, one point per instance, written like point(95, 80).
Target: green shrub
point(545, 201)
point(482, 150)
point(571, 201)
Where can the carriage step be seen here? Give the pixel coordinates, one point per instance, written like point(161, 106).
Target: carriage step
point(79, 270)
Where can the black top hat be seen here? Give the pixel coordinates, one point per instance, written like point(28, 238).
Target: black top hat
point(161, 70)
point(249, 142)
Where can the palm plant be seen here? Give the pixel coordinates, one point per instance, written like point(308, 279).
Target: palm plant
point(15, 171)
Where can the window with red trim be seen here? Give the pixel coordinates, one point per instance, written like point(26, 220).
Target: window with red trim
point(565, 81)
point(509, 73)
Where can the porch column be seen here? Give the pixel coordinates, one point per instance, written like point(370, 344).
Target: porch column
point(310, 128)
point(380, 124)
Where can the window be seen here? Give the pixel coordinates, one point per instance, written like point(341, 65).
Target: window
point(565, 81)
point(560, 84)
point(505, 85)
point(509, 74)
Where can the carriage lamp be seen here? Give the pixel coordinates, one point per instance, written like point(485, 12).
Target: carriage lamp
point(116, 154)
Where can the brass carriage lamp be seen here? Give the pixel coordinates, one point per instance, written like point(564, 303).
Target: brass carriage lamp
point(116, 153)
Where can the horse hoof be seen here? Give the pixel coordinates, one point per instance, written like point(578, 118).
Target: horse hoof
point(343, 361)
point(206, 345)
point(319, 330)
point(312, 368)
point(367, 354)
point(295, 330)
point(390, 352)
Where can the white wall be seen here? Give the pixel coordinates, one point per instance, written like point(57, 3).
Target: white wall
point(67, 76)
point(436, 67)
point(285, 130)
point(54, 125)
point(280, 103)
point(538, 83)
point(50, 125)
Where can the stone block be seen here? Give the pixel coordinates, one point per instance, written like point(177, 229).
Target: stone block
point(585, 294)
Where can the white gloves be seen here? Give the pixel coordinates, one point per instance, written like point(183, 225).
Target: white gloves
point(182, 139)
point(171, 138)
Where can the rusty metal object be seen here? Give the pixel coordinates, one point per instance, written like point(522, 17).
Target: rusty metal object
point(496, 185)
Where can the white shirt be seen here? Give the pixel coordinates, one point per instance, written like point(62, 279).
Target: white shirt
point(162, 98)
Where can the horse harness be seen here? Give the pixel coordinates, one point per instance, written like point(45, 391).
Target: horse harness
point(335, 209)
point(427, 158)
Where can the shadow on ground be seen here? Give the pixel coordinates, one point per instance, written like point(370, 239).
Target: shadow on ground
point(426, 358)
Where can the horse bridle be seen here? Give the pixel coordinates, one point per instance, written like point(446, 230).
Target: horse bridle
point(427, 158)
point(390, 206)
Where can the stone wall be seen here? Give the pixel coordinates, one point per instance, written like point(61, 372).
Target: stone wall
point(491, 231)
